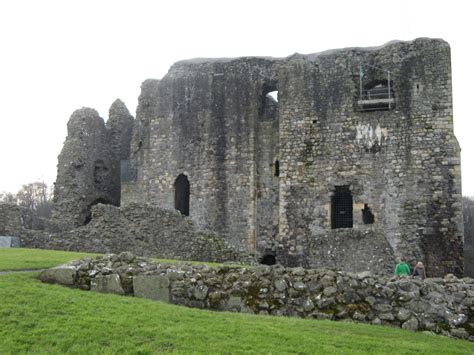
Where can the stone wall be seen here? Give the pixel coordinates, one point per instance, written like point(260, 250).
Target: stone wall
point(11, 223)
point(211, 121)
point(403, 164)
point(142, 229)
point(439, 305)
point(200, 121)
point(468, 215)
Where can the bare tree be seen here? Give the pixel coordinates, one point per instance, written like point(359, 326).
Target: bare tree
point(37, 198)
point(8, 197)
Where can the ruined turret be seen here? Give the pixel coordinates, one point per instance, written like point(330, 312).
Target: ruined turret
point(119, 131)
point(89, 164)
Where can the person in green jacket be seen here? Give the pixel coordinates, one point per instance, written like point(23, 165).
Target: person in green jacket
point(402, 268)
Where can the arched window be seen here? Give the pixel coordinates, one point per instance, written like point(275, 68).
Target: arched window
point(181, 194)
point(341, 208)
point(268, 107)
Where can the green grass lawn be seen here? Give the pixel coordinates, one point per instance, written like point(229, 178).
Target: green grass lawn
point(33, 259)
point(36, 259)
point(40, 318)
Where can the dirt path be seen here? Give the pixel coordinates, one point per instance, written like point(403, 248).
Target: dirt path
point(6, 272)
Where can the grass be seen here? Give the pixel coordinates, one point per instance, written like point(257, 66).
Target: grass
point(34, 259)
point(43, 318)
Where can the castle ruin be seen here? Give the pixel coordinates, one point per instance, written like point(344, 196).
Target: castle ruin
point(345, 158)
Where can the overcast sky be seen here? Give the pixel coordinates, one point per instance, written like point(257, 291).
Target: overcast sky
point(57, 56)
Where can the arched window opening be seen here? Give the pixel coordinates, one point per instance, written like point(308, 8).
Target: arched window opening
point(341, 208)
point(268, 259)
point(367, 215)
point(277, 168)
point(181, 194)
point(268, 107)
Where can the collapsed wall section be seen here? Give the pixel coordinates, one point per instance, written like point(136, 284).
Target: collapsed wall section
point(142, 229)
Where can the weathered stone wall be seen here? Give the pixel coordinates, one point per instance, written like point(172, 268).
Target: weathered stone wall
point(403, 163)
point(468, 216)
point(439, 305)
point(201, 120)
point(119, 133)
point(89, 164)
point(142, 229)
point(212, 121)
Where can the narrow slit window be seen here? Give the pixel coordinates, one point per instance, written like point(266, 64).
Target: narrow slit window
point(277, 168)
point(367, 215)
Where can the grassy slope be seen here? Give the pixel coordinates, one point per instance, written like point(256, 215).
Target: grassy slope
point(37, 317)
point(32, 259)
point(35, 259)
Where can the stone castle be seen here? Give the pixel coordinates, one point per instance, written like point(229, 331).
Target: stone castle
point(344, 158)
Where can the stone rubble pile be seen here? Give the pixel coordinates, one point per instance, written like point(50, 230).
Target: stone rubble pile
point(439, 305)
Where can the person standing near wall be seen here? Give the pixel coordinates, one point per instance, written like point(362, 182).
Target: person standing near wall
point(402, 268)
point(419, 270)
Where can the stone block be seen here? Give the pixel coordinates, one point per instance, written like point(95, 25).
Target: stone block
point(155, 287)
point(107, 284)
point(63, 275)
point(9, 242)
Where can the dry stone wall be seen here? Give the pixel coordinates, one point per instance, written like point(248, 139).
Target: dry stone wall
point(438, 305)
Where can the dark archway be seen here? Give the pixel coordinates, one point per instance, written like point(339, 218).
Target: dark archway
point(181, 194)
point(268, 259)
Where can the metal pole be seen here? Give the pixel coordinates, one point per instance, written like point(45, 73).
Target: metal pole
point(360, 82)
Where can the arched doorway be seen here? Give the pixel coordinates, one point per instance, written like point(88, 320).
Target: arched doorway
point(181, 194)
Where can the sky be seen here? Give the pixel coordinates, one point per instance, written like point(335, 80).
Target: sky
point(58, 56)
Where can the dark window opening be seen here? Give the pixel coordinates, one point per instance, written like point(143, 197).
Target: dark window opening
point(268, 259)
point(277, 168)
point(88, 211)
point(181, 194)
point(377, 95)
point(268, 107)
point(341, 208)
point(367, 215)
point(140, 144)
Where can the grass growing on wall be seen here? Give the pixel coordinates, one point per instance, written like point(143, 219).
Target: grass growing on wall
point(39, 318)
